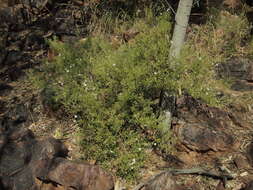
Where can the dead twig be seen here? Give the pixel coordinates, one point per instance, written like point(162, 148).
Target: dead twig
point(200, 171)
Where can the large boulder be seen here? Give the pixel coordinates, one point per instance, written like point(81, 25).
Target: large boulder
point(203, 128)
point(203, 138)
point(72, 174)
point(27, 163)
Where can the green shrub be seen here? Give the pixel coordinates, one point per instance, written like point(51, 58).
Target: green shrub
point(114, 91)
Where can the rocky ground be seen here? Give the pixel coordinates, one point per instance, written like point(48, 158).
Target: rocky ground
point(214, 148)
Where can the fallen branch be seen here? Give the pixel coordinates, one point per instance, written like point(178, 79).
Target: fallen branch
point(200, 171)
point(194, 171)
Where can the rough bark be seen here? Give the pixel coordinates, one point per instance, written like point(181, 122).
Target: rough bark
point(178, 38)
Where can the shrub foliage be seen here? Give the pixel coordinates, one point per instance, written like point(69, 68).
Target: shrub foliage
point(113, 91)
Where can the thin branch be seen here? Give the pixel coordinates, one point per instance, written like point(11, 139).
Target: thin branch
point(170, 7)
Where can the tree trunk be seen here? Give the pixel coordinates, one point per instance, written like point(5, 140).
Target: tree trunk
point(182, 19)
point(178, 38)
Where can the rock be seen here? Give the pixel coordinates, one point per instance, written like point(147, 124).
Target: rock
point(10, 15)
point(249, 186)
point(241, 162)
point(189, 158)
point(190, 110)
point(13, 57)
point(249, 14)
point(20, 134)
point(241, 115)
point(48, 148)
point(3, 55)
point(163, 182)
point(249, 76)
point(236, 68)
point(26, 160)
point(33, 42)
point(23, 180)
point(202, 138)
point(242, 85)
point(250, 153)
point(15, 156)
point(220, 186)
point(239, 69)
point(49, 186)
point(1, 185)
point(71, 174)
point(202, 128)
point(3, 141)
point(4, 89)
point(15, 116)
point(3, 4)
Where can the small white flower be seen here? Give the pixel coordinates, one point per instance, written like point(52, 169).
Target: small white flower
point(84, 84)
point(67, 70)
point(155, 73)
point(133, 162)
point(75, 116)
point(139, 149)
point(61, 83)
point(114, 64)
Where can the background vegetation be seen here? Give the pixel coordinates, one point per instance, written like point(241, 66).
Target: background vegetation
point(111, 81)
